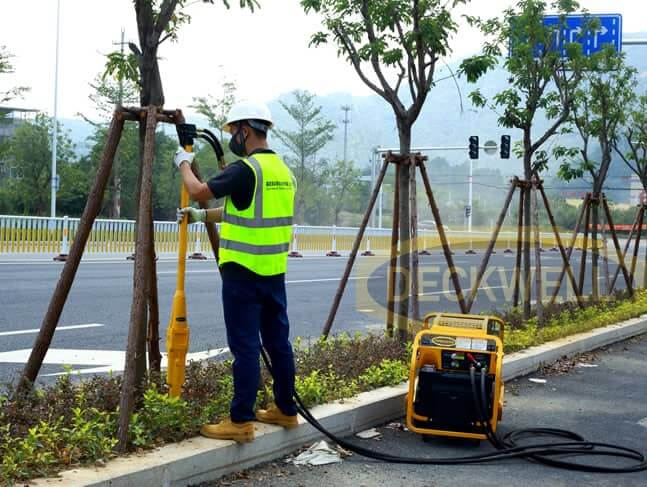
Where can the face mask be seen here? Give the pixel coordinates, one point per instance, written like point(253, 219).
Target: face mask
point(237, 143)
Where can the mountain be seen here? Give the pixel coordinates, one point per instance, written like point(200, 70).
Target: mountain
point(442, 122)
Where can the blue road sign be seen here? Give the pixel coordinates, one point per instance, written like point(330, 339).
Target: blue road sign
point(575, 30)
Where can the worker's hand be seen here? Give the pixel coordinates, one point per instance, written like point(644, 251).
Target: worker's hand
point(194, 214)
point(182, 156)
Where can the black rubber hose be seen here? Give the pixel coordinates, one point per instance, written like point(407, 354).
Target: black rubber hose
point(215, 142)
point(214, 145)
point(531, 452)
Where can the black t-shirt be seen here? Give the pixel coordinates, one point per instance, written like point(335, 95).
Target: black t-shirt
point(237, 181)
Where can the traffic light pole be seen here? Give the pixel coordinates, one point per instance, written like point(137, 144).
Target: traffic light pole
point(470, 183)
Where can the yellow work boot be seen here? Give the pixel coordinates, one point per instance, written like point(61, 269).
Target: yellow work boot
point(273, 415)
point(228, 430)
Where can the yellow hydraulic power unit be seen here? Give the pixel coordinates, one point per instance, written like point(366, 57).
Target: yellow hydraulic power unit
point(456, 360)
point(177, 333)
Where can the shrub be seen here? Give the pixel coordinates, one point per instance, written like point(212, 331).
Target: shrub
point(387, 373)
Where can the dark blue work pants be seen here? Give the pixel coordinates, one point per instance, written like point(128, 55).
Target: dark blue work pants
point(256, 309)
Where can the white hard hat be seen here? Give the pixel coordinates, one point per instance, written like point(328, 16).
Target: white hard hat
point(249, 111)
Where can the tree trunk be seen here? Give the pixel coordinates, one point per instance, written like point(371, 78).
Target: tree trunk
point(527, 164)
point(115, 201)
point(152, 92)
point(404, 130)
point(142, 273)
point(595, 254)
point(141, 365)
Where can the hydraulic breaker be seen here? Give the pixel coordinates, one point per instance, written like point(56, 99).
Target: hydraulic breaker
point(177, 334)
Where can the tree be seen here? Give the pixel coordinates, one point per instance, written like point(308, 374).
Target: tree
point(631, 142)
point(313, 132)
point(542, 82)
point(109, 92)
point(215, 110)
point(598, 112)
point(631, 145)
point(6, 68)
point(157, 22)
point(343, 181)
point(391, 44)
point(31, 158)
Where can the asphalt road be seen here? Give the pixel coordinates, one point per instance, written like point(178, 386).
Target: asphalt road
point(93, 328)
point(604, 401)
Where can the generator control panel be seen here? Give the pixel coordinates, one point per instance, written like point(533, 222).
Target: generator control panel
point(456, 360)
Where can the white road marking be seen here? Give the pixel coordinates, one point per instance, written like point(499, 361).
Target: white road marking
point(452, 292)
point(289, 281)
point(103, 360)
point(643, 422)
point(58, 328)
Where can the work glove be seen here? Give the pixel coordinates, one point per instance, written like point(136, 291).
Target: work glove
point(183, 156)
point(194, 214)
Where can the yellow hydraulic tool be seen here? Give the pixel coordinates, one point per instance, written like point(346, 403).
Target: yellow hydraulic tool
point(177, 334)
point(455, 360)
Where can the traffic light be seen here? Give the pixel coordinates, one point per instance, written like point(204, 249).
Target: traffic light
point(468, 211)
point(505, 147)
point(474, 147)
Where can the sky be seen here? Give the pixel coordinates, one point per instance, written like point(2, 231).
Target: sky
point(265, 53)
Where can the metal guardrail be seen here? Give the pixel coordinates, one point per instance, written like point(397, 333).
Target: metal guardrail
point(52, 236)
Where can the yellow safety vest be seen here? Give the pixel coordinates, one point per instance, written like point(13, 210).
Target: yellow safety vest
point(258, 237)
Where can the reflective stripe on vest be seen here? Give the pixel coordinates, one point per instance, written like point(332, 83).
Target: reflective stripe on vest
point(258, 221)
point(248, 238)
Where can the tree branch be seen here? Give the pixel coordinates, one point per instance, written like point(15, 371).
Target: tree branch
point(357, 62)
point(165, 14)
point(550, 132)
point(375, 60)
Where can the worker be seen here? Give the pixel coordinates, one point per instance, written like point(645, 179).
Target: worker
point(256, 228)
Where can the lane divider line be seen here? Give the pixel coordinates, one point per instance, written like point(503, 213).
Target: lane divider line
point(58, 328)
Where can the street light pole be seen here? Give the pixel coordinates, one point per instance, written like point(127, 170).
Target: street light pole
point(55, 127)
point(346, 121)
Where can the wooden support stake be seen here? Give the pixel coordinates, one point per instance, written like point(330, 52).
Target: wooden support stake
point(443, 239)
point(624, 253)
point(393, 262)
point(517, 265)
point(539, 306)
point(212, 231)
point(585, 245)
point(614, 237)
point(634, 259)
point(415, 275)
point(491, 244)
point(62, 290)
point(153, 335)
point(353, 253)
point(566, 256)
point(142, 270)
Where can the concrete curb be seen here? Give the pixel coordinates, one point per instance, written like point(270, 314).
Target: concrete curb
point(201, 459)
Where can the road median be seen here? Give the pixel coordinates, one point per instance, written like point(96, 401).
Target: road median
point(199, 459)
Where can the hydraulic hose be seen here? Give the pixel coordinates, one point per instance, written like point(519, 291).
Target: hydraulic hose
point(213, 142)
point(506, 447)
